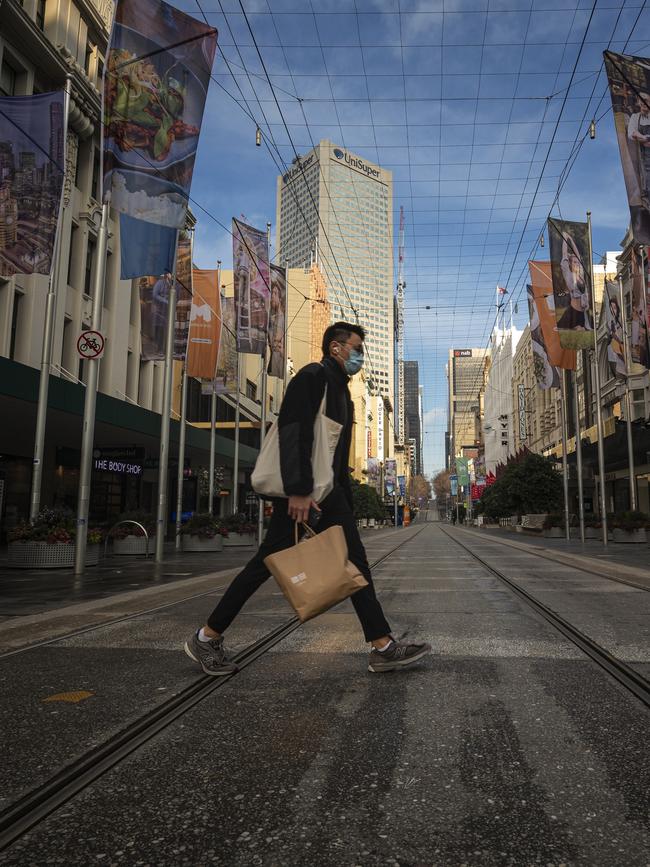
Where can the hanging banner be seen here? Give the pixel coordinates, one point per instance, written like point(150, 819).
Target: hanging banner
point(390, 476)
point(542, 291)
point(629, 87)
point(183, 293)
point(154, 299)
point(32, 167)
point(373, 473)
point(157, 74)
point(639, 346)
point(225, 381)
point(205, 324)
point(401, 480)
point(453, 486)
point(546, 374)
point(278, 322)
point(252, 287)
point(615, 344)
point(145, 248)
point(571, 275)
point(462, 471)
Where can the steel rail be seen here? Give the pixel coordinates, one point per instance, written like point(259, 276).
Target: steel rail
point(17, 819)
point(124, 618)
point(634, 682)
point(548, 555)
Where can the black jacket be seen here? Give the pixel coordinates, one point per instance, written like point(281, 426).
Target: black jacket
point(296, 425)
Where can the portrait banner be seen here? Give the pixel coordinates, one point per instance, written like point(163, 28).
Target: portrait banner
point(156, 81)
point(32, 167)
point(546, 374)
point(571, 275)
point(145, 248)
point(225, 381)
point(154, 301)
point(390, 476)
point(639, 339)
point(401, 481)
point(252, 287)
point(373, 473)
point(615, 343)
point(541, 284)
point(629, 88)
point(278, 322)
point(205, 325)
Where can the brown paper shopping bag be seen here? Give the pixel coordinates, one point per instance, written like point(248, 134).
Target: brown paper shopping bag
point(315, 574)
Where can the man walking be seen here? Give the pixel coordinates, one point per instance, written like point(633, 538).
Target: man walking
point(342, 358)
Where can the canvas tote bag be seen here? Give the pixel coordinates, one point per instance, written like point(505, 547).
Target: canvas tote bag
point(315, 574)
point(267, 478)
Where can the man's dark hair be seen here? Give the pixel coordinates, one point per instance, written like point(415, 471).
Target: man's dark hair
point(340, 331)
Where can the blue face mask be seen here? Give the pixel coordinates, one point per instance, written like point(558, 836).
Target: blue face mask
point(354, 362)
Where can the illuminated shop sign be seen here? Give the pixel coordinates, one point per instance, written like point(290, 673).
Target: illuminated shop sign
point(127, 461)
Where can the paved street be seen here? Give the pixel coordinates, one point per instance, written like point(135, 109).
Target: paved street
point(508, 746)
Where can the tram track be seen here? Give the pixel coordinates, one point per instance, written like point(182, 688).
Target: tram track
point(35, 806)
point(623, 673)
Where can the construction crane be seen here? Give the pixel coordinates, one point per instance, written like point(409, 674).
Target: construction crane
point(399, 330)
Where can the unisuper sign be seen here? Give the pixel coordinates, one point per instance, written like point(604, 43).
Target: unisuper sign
point(356, 163)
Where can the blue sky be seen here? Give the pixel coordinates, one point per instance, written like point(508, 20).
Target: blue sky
point(476, 111)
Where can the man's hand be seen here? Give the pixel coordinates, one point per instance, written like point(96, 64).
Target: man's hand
point(299, 507)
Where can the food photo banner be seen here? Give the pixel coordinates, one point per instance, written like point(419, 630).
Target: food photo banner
point(155, 86)
point(32, 166)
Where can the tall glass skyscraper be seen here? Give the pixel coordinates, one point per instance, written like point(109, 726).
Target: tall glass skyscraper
point(337, 207)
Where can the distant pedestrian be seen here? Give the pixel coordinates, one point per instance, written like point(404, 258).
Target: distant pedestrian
point(342, 357)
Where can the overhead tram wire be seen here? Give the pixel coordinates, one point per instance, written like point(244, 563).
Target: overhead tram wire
point(485, 339)
point(573, 156)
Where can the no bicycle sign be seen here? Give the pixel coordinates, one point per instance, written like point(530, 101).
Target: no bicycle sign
point(90, 344)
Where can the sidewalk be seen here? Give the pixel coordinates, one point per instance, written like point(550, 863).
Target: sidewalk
point(617, 559)
point(34, 591)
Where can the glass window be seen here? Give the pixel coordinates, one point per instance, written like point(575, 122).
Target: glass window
point(14, 324)
point(90, 262)
point(8, 76)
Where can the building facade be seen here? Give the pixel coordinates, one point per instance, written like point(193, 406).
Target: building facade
point(41, 43)
point(413, 414)
point(467, 371)
point(499, 408)
point(336, 207)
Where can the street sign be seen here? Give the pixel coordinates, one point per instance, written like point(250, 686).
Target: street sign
point(90, 344)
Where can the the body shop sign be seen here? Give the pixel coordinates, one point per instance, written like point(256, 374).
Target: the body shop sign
point(122, 462)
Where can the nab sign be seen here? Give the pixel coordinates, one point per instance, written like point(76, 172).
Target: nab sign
point(462, 353)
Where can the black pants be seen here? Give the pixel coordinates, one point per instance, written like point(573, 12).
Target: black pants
point(280, 535)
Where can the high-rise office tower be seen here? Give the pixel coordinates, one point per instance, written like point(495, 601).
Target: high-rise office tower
point(412, 413)
point(336, 207)
point(466, 373)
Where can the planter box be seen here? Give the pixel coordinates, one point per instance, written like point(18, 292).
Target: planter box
point(554, 533)
point(237, 540)
point(132, 545)
point(196, 544)
point(593, 533)
point(633, 537)
point(40, 555)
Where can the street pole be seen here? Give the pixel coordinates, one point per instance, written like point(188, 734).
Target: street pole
point(181, 460)
point(163, 460)
point(235, 469)
point(565, 467)
point(599, 413)
point(260, 518)
point(48, 334)
point(213, 424)
point(90, 401)
point(581, 503)
point(628, 399)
